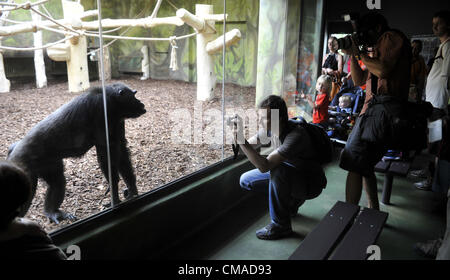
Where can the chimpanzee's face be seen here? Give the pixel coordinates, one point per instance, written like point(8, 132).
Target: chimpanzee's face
point(128, 105)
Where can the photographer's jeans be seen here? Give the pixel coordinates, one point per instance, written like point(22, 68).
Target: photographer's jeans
point(277, 183)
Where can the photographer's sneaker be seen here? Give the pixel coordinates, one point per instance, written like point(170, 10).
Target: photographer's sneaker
point(273, 231)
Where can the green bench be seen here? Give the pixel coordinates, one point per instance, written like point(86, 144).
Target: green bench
point(344, 233)
point(391, 169)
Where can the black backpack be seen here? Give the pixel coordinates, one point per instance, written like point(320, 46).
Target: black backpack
point(322, 144)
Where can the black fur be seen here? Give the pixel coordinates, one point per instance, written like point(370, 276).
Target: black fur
point(71, 131)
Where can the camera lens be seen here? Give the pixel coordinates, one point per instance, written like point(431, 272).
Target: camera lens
point(345, 43)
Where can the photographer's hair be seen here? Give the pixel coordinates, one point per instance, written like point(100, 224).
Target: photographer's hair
point(327, 80)
point(371, 20)
point(276, 102)
point(419, 43)
point(445, 15)
point(15, 189)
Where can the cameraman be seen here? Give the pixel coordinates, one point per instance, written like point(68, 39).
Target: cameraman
point(388, 74)
point(290, 174)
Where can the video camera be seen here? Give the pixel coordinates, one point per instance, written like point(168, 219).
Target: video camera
point(360, 34)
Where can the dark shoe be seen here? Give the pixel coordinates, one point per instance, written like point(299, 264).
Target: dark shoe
point(273, 231)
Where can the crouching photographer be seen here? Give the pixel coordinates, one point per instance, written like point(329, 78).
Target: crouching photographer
point(290, 174)
point(387, 55)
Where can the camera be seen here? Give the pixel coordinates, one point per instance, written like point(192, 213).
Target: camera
point(360, 34)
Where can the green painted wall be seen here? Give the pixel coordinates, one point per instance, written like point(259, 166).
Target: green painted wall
point(126, 55)
point(271, 47)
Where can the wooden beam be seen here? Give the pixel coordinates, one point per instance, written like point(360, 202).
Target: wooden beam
point(206, 78)
point(77, 65)
point(89, 25)
point(231, 38)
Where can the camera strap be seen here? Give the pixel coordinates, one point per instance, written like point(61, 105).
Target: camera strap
point(374, 84)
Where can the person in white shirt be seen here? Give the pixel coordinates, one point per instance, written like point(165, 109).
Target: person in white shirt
point(437, 88)
point(437, 93)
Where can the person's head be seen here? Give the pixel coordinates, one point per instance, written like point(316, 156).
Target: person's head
point(345, 101)
point(372, 25)
point(273, 102)
point(15, 189)
point(324, 84)
point(416, 47)
point(332, 44)
point(441, 23)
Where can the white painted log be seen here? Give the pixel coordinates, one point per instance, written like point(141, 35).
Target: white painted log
point(59, 52)
point(145, 63)
point(231, 38)
point(192, 20)
point(77, 65)
point(144, 22)
point(89, 13)
point(90, 25)
point(216, 17)
point(106, 64)
point(206, 78)
point(39, 65)
point(5, 84)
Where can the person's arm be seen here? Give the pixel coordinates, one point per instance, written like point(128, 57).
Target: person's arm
point(389, 48)
point(262, 163)
point(340, 70)
point(309, 100)
point(446, 64)
point(358, 75)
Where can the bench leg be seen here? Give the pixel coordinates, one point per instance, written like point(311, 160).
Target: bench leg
point(387, 188)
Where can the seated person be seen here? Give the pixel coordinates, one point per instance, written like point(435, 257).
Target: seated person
point(345, 104)
point(290, 174)
point(339, 122)
point(21, 238)
point(320, 105)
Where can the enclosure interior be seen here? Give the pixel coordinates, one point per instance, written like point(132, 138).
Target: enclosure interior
point(190, 204)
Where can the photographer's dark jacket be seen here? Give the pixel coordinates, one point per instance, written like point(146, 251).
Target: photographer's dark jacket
point(297, 147)
point(391, 46)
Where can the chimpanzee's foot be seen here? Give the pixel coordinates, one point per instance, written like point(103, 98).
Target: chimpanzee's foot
point(129, 194)
point(113, 204)
point(59, 215)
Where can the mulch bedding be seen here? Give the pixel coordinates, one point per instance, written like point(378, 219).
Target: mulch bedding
point(156, 158)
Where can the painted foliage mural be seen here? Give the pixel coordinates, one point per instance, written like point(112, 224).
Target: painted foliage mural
point(126, 55)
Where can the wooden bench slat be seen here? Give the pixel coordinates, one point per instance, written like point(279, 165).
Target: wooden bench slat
point(364, 232)
point(319, 243)
point(382, 166)
point(400, 167)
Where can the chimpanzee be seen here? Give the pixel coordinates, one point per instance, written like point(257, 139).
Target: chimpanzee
point(71, 131)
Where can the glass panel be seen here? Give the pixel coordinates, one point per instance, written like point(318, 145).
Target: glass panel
point(178, 134)
point(240, 65)
point(308, 53)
